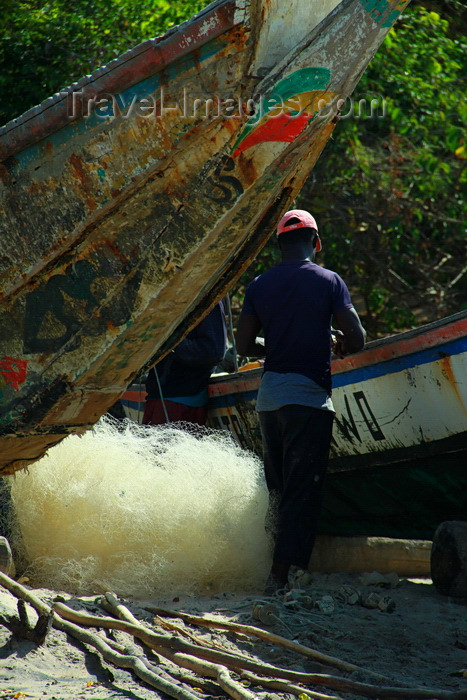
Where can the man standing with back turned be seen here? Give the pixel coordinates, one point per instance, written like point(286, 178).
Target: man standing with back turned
point(293, 304)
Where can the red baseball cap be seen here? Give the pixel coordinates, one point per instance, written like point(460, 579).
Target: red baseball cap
point(305, 220)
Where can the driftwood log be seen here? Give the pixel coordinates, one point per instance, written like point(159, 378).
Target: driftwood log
point(220, 673)
point(251, 631)
point(360, 554)
point(120, 660)
point(449, 559)
point(239, 664)
point(21, 627)
point(204, 668)
point(205, 661)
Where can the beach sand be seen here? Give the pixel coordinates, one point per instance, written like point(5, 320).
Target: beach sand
point(416, 638)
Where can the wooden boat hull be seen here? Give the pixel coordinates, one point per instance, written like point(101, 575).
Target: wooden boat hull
point(398, 457)
point(129, 212)
point(405, 393)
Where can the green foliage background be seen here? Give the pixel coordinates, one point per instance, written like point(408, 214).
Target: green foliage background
point(388, 191)
point(45, 46)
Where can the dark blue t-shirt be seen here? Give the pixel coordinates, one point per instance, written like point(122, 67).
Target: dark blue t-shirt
point(295, 301)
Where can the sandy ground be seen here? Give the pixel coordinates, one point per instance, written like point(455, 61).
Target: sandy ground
point(415, 638)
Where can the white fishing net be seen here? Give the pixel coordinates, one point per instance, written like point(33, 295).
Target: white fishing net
point(144, 511)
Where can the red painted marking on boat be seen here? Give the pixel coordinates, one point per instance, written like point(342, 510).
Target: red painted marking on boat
point(13, 371)
point(446, 368)
point(136, 396)
point(283, 128)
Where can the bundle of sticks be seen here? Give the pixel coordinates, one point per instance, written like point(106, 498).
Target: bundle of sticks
point(176, 661)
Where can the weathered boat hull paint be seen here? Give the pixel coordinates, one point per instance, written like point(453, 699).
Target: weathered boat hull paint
point(130, 211)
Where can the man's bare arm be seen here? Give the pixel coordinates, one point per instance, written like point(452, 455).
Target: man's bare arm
point(349, 323)
point(248, 328)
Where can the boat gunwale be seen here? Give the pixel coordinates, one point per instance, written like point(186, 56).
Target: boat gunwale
point(400, 344)
point(433, 335)
point(20, 133)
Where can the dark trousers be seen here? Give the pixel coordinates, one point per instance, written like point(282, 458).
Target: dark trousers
point(296, 441)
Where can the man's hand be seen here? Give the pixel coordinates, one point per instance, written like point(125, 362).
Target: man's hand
point(352, 330)
point(338, 343)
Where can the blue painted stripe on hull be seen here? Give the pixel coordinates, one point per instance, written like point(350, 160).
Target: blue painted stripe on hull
point(455, 347)
point(398, 364)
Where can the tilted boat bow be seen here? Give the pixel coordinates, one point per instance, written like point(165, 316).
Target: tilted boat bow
point(133, 200)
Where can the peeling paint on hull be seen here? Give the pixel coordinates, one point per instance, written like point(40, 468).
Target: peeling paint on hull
point(134, 199)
